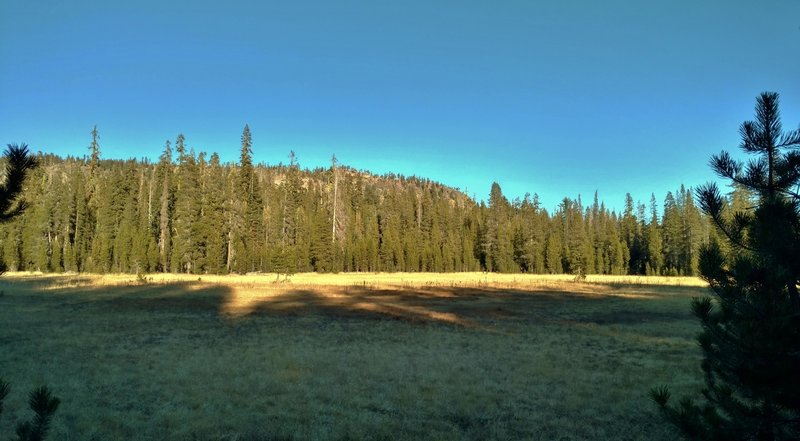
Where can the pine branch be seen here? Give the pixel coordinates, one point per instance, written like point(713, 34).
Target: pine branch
point(44, 404)
point(711, 203)
point(5, 388)
point(19, 162)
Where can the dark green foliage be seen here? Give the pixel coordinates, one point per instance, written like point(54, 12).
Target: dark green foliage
point(166, 203)
point(751, 328)
point(246, 235)
point(188, 245)
point(655, 256)
point(5, 388)
point(94, 148)
point(211, 226)
point(497, 237)
point(44, 405)
point(19, 162)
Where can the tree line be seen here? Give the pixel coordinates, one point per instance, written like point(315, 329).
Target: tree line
point(190, 213)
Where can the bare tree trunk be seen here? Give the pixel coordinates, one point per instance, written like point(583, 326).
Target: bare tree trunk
point(230, 248)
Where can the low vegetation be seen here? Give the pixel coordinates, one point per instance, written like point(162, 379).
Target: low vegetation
point(351, 356)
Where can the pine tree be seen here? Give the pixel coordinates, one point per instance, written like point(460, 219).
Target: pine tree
point(125, 239)
point(751, 329)
point(577, 251)
point(692, 237)
point(37, 226)
point(654, 244)
point(212, 216)
point(537, 224)
point(390, 246)
point(338, 218)
point(497, 241)
point(631, 234)
point(470, 226)
point(187, 248)
point(83, 223)
point(111, 190)
point(19, 162)
point(165, 207)
point(321, 246)
point(553, 252)
point(145, 249)
point(671, 235)
point(290, 217)
point(247, 213)
point(94, 148)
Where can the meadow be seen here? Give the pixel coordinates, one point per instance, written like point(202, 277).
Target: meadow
point(470, 356)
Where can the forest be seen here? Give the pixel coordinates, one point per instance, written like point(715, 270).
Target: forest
point(190, 213)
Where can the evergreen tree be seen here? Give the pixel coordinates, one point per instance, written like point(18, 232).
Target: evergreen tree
point(497, 241)
point(632, 235)
point(654, 244)
point(751, 330)
point(390, 246)
point(692, 236)
point(338, 218)
point(553, 252)
point(671, 235)
point(187, 247)
point(469, 242)
point(80, 230)
point(112, 189)
point(94, 148)
point(321, 246)
point(145, 249)
point(577, 253)
point(212, 216)
point(124, 241)
point(247, 221)
point(19, 162)
point(36, 224)
point(166, 205)
point(290, 210)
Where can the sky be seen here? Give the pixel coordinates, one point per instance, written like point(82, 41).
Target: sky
point(558, 98)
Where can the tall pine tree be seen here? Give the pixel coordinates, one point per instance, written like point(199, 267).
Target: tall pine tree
point(751, 328)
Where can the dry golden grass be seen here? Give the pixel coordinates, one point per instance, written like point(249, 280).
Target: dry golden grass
point(348, 356)
point(476, 279)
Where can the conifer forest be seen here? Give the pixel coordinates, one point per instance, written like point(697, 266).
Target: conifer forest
point(190, 213)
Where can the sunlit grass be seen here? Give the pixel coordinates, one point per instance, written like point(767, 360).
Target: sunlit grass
point(348, 356)
point(475, 279)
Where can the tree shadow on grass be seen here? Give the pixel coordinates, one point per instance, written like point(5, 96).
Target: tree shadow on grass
point(76, 293)
point(481, 307)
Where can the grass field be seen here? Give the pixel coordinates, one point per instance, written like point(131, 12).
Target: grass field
point(348, 356)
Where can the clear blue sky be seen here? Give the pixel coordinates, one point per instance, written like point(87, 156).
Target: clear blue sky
point(559, 98)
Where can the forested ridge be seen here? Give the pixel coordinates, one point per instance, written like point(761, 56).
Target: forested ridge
point(190, 213)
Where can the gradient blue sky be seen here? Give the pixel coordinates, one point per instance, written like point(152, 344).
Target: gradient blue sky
point(559, 98)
